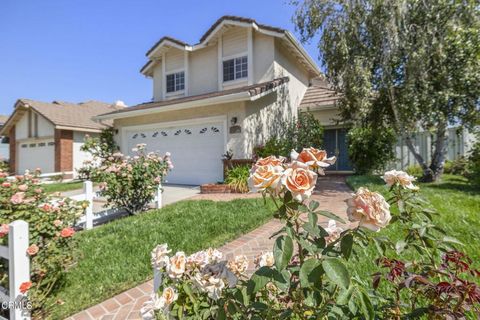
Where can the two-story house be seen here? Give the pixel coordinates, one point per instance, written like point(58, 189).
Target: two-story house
point(227, 92)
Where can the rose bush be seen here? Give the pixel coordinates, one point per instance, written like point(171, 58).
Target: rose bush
point(306, 276)
point(129, 182)
point(52, 243)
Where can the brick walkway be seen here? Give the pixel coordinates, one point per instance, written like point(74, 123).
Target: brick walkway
point(331, 193)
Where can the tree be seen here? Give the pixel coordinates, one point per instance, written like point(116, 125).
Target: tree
point(407, 64)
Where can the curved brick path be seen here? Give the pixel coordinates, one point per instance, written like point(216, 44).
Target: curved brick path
point(331, 193)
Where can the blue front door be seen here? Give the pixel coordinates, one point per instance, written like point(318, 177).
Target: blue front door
point(335, 143)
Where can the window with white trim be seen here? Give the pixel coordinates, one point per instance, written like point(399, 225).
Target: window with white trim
point(236, 68)
point(175, 82)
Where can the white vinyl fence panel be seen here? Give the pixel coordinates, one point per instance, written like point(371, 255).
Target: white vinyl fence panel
point(459, 143)
point(18, 269)
point(89, 195)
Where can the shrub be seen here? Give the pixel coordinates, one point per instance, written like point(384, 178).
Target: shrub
point(50, 226)
point(130, 182)
point(473, 165)
point(100, 148)
point(237, 178)
point(306, 277)
point(303, 132)
point(458, 166)
point(371, 149)
point(414, 170)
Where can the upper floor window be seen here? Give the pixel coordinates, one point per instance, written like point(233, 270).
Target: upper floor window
point(236, 68)
point(175, 82)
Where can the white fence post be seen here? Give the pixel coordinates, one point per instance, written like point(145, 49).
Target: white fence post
point(88, 191)
point(19, 266)
point(159, 196)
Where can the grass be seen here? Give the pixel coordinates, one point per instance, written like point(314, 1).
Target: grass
point(116, 256)
point(458, 206)
point(62, 186)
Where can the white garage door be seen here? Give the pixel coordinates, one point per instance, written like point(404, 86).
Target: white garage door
point(196, 150)
point(36, 155)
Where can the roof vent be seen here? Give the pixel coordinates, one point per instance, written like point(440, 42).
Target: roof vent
point(119, 104)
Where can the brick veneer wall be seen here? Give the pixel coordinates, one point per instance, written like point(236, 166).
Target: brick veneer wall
point(63, 150)
point(13, 151)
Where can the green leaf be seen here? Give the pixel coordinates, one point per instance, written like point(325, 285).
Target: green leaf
point(330, 215)
point(400, 246)
point(337, 272)
point(282, 251)
point(346, 245)
point(313, 205)
point(259, 279)
point(452, 240)
point(281, 279)
point(345, 295)
point(366, 306)
point(312, 218)
point(310, 273)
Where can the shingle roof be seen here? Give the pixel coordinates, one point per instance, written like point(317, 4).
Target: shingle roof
point(252, 90)
point(239, 19)
point(74, 115)
point(319, 96)
point(179, 42)
point(3, 119)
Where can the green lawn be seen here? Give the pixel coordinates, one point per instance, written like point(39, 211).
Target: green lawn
point(62, 186)
point(457, 203)
point(116, 256)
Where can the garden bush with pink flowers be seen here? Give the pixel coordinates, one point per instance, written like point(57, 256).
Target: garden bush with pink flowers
point(52, 245)
point(128, 182)
point(310, 273)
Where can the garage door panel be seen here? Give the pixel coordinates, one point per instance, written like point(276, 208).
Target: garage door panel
point(36, 155)
point(196, 150)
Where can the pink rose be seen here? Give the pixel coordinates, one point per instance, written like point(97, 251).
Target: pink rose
point(17, 198)
point(4, 230)
point(67, 232)
point(23, 187)
point(369, 208)
point(299, 180)
point(314, 158)
point(25, 286)
point(6, 184)
point(32, 250)
point(57, 223)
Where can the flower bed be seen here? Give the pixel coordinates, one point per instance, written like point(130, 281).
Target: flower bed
point(215, 188)
point(313, 281)
point(52, 244)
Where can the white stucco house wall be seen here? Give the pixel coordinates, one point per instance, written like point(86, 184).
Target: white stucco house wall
point(227, 92)
point(49, 136)
point(4, 145)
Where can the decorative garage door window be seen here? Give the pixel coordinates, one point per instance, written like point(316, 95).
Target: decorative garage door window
point(176, 132)
point(203, 143)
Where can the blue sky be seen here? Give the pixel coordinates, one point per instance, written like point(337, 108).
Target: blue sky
point(91, 49)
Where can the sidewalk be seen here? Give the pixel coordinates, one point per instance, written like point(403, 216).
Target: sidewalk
point(331, 194)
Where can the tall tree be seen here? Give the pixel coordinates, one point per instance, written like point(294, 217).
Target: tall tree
point(409, 64)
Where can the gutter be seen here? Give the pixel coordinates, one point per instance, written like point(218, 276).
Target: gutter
point(234, 97)
point(241, 96)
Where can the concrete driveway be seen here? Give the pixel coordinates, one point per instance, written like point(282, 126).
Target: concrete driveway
point(171, 193)
point(175, 192)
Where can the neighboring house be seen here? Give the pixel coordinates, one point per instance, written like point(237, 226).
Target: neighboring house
point(4, 153)
point(230, 91)
point(48, 136)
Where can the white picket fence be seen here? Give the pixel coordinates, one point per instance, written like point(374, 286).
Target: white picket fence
point(89, 195)
point(18, 270)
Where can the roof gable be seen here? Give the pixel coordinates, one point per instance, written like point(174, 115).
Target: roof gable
point(164, 43)
point(76, 116)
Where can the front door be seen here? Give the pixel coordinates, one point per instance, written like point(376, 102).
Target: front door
point(335, 143)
